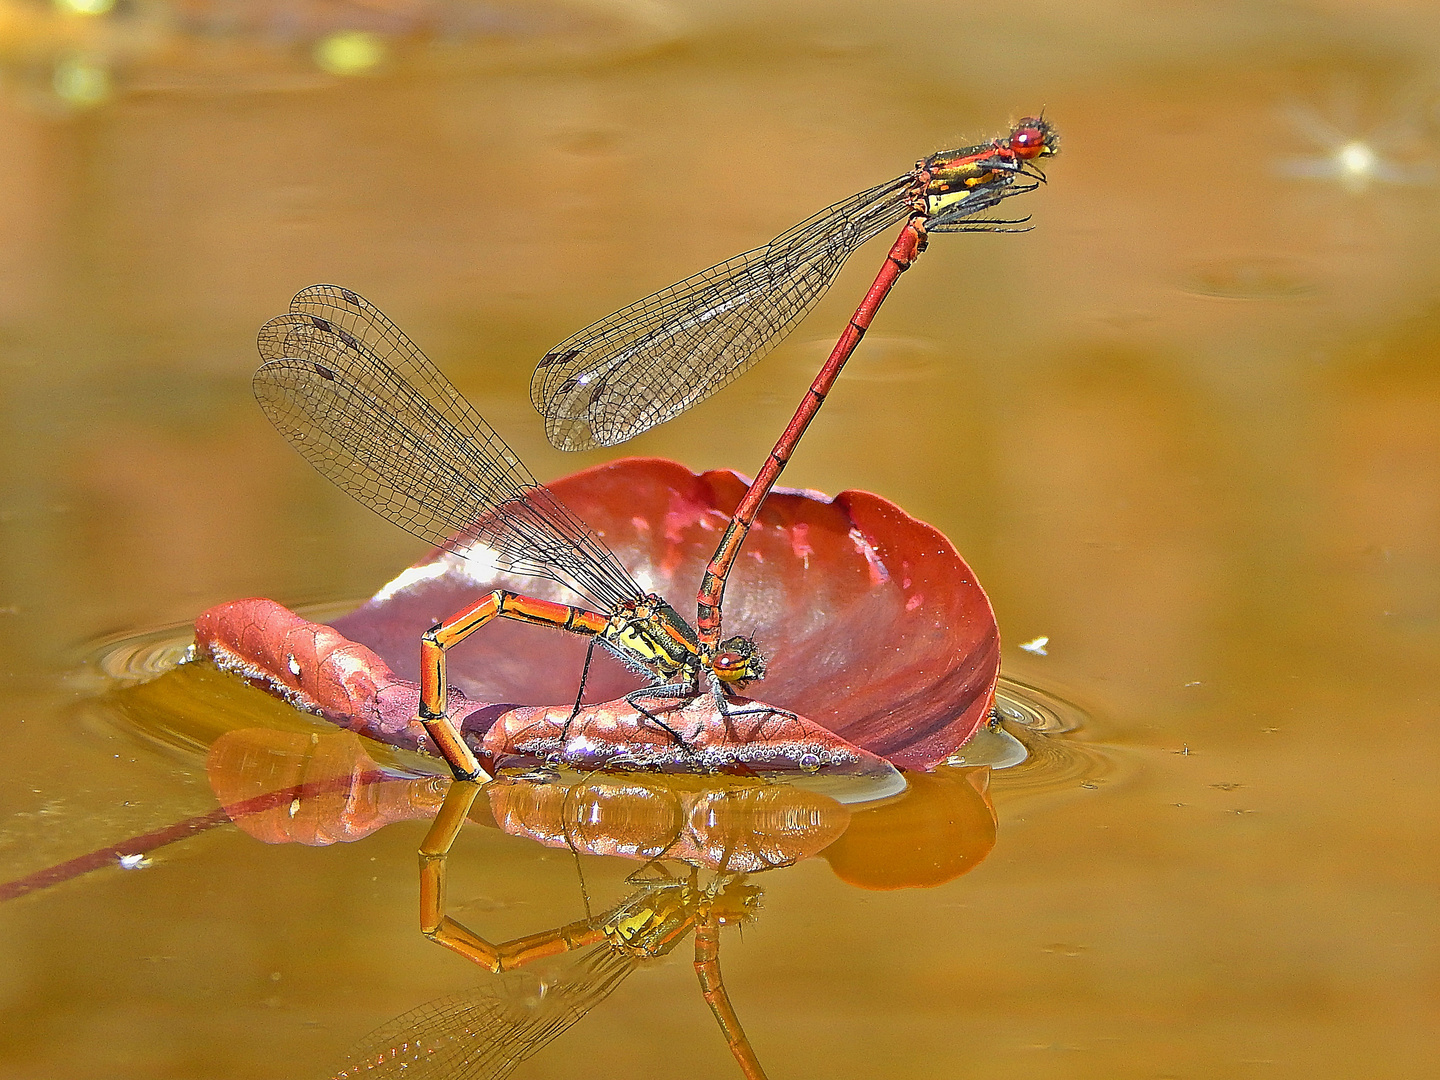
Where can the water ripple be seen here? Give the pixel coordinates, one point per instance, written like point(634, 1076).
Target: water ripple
point(1028, 749)
point(1040, 720)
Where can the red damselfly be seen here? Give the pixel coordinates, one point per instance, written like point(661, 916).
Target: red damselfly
point(652, 360)
point(371, 413)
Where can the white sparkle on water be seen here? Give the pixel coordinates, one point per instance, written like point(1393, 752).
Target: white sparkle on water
point(1357, 154)
point(1356, 159)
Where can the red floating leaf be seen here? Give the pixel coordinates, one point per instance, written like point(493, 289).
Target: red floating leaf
point(671, 736)
point(873, 625)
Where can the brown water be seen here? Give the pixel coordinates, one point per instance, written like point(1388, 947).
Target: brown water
point(1188, 429)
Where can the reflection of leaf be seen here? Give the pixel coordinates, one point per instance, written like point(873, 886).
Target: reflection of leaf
point(287, 787)
point(487, 1031)
point(942, 828)
point(718, 823)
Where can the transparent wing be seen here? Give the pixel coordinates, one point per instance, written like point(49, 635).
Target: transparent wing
point(484, 1033)
point(372, 414)
point(652, 360)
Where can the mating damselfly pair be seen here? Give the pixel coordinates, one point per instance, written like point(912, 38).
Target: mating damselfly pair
point(370, 411)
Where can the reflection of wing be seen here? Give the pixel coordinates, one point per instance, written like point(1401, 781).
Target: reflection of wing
point(649, 362)
point(366, 407)
point(484, 1033)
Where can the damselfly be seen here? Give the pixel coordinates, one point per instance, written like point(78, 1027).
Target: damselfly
point(652, 360)
point(371, 413)
point(367, 408)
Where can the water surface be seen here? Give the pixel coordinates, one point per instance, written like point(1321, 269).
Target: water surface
point(1188, 429)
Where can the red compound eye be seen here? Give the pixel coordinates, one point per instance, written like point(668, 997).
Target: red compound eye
point(730, 665)
point(1030, 138)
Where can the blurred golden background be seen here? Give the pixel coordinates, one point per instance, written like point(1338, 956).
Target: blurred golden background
point(1188, 428)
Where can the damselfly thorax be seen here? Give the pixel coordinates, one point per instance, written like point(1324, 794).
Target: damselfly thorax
point(653, 638)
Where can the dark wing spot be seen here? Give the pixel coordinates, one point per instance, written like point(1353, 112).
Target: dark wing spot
point(319, 323)
point(557, 357)
point(324, 372)
point(348, 338)
point(350, 298)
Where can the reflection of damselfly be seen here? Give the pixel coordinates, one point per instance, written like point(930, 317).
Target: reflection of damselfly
point(652, 360)
point(488, 1031)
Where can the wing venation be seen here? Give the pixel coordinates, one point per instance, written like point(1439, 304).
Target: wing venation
point(372, 414)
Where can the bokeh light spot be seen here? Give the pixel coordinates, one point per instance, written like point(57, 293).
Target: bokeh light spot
point(350, 52)
point(81, 82)
point(86, 7)
point(1356, 160)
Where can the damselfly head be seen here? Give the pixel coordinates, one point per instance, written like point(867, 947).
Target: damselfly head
point(736, 902)
point(739, 662)
point(1032, 138)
